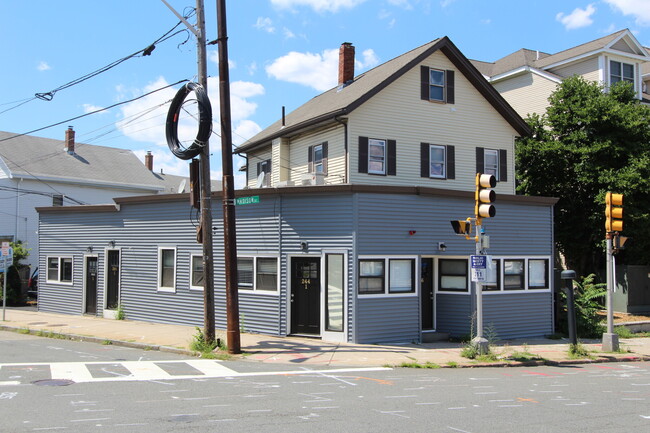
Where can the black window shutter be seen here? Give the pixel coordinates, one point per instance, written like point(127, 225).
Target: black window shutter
point(325, 157)
point(480, 160)
point(268, 166)
point(310, 159)
point(424, 159)
point(363, 154)
point(503, 165)
point(451, 162)
point(392, 158)
point(259, 165)
point(451, 98)
point(424, 83)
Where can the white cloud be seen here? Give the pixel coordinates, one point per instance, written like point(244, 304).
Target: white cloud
point(318, 5)
point(43, 66)
point(370, 59)
point(252, 68)
point(164, 160)
point(243, 131)
point(640, 9)
point(288, 34)
point(89, 108)
point(265, 24)
point(578, 18)
point(445, 3)
point(406, 4)
point(319, 71)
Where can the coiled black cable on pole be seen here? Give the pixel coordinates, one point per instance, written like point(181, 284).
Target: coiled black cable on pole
point(205, 122)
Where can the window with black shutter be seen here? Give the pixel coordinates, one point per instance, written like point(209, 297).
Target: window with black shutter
point(437, 85)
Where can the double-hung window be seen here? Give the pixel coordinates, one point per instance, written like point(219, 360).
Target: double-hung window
point(59, 269)
point(196, 272)
point(452, 275)
point(166, 269)
point(437, 161)
point(491, 162)
point(376, 156)
point(514, 277)
point(264, 167)
point(437, 85)
point(258, 273)
point(619, 71)
point(371, 276)
point(317, 158)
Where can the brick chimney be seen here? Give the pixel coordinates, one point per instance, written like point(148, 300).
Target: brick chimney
point(346, 63)
point(148, 160)
point(69, 140)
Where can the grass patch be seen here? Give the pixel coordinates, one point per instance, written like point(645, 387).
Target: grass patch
point(427, 364)
point(524, 356)
point(625, 332)
point(206, 349)
point(488, 357)
point(120, 314)
point(23, 331)
point(107, 342)
point(578, 351)
point(452, 364)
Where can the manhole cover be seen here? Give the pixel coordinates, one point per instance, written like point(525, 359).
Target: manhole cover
point(53, 382)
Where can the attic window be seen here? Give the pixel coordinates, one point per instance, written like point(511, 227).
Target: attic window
point(437, 85)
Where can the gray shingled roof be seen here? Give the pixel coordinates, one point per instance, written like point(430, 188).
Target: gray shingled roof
point(540, 60)
point(342, 101)
point(28, 156)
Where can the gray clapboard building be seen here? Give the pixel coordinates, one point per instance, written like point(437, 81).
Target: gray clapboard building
point(350, 239)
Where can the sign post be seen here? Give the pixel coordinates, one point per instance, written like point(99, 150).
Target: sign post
point(5, 261)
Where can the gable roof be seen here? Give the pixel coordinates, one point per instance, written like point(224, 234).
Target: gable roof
point(31, 157)
point(544, 61)
point(342, 101)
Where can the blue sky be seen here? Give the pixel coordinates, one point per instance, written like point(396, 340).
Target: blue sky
point(282, 53)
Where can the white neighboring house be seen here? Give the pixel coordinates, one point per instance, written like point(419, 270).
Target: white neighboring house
point(36, 172)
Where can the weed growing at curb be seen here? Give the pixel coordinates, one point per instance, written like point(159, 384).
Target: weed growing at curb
point(577, 351)
point(205, 349)
point(452, 364)
point(23, 331)
point(107, 342)
point(120, 314)
point(431, 365)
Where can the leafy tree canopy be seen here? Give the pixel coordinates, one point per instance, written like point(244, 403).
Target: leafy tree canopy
point(589, 142)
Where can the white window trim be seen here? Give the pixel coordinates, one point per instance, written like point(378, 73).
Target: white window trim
point(444, 150)
point(634, 69)
point(255, 290)
point(159, 274)
point(496, 152)
point(385, 160)
point(334, 335)
point(315, 161)
point(436, 282)
point(58, 280)
point(387, 294)
point(444, 85)
point(526, 259)
point(193, 287)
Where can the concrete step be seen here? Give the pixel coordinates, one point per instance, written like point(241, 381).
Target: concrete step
point(430, 337)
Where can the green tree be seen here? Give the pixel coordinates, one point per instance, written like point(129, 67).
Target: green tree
point(590, 141)
point(14, 283)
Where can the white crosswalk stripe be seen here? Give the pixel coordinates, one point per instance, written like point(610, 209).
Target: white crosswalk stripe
point(82, 372)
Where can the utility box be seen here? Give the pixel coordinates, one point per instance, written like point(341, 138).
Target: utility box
point(632, 293)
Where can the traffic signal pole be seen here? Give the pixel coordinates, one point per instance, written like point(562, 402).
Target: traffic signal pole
point(610, 338)
point(480, 342)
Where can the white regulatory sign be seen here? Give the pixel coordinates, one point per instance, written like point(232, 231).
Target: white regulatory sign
point(479, 275)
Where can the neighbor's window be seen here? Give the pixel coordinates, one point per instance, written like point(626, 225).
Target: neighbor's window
point(621, 72)
point(245, 273)
point(437, 158)
point(197, 271)
point(376, 156)
point(167, 269)
point(401, 272)
point(318, 159)
point(513, 275)
point(59, 269)
point(491, 162)
point(538, 274)
point(371, 276)
point(436, 85)
point(267, 274)
point(452, 275)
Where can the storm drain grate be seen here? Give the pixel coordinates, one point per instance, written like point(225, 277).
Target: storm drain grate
point(53, 382)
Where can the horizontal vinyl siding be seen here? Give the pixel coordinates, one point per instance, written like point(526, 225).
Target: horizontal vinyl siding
point(335, 154)
point(518, 315)
point(390, 319)
point(454, 314)
point(527, 93)
point(398, 113)
point(259, 313)
point(587, 68)
point(253, 159)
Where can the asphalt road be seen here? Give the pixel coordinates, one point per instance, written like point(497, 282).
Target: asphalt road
point(251, 396)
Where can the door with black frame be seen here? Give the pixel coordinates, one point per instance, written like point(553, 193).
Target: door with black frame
point(112, 279)
point(426, 294)
point(305, 295)
point(91, 285)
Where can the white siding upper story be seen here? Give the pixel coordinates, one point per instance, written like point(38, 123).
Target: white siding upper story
point(527, 93)
point(398, 113)
point(587, 68)
point(19, 218)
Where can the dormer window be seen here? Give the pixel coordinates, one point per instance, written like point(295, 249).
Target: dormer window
point(436, 85)
point(619, 71)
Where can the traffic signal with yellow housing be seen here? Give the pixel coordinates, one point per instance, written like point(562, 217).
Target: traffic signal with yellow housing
point(613, 212)
point(484, 196)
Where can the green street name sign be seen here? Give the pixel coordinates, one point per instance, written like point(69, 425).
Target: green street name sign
point(247, 200)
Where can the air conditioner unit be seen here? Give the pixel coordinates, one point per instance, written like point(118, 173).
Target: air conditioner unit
point(286, 183)
point(313, 179)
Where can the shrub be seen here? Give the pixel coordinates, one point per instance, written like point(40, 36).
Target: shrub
point(588, 302)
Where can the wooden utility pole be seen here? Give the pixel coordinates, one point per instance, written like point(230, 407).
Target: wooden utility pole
point(228, 187)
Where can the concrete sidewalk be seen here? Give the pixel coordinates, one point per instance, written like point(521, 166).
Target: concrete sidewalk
point(293, 350)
